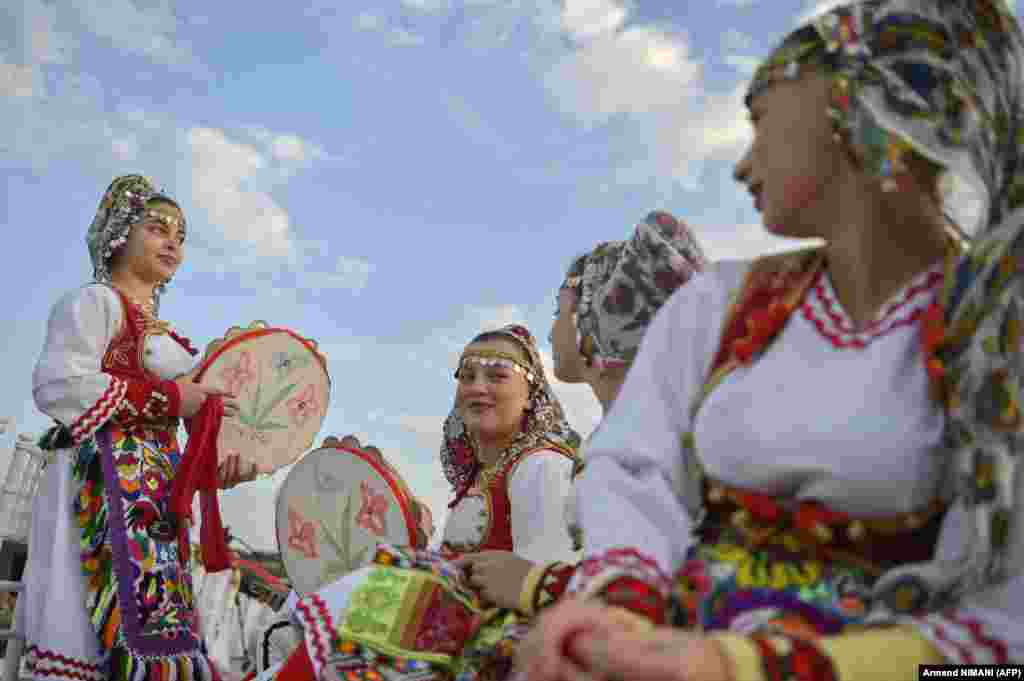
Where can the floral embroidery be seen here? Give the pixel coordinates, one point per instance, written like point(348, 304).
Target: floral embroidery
point(238, 376)
point(303, 405)
point(302, 534)
point(371, 515)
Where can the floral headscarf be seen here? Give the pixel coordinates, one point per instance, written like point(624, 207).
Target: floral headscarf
point(123, 205)
point(944, 79)
point(622, 284)
point(544, 424)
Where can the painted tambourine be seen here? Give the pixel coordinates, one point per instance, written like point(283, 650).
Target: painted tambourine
point(334, 507)
point(283, 391)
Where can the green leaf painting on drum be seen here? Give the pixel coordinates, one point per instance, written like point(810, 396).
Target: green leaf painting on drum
point(337, 531)
point(260, 394)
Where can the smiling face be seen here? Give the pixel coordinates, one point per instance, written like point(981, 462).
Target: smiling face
point(156, 245)
point(793, 163)
point(492, 399)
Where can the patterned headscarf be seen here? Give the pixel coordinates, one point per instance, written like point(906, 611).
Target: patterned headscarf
point(621, 285)
point(944, 79)
point(544, 424)
point(123, 205)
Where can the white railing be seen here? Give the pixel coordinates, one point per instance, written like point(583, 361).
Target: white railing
point(19, 488)
point(20, 484)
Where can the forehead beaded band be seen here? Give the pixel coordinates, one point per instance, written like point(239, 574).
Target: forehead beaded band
point(495, 358)
point(165, 219)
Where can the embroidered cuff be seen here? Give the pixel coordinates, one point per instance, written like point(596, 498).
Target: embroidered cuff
point(901, 648)
point(544, 585)
point(627, 579)
point(790, 658)
point(553, 584)
point(100, 412)
point(962, 640)
point(529, 590)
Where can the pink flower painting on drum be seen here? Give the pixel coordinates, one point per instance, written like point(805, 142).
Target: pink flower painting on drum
point(302, 534)
point(303, 405)
point(236, 377)
point(371, 513)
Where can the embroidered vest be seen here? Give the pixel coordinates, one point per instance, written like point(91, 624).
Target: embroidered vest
point(492, 487)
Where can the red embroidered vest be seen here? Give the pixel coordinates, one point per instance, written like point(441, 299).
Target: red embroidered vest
point(498, 533)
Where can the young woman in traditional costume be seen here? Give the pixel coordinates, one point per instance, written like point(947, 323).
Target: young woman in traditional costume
point(107, 593)
point(509, 455)
point(605, 303)
point(822, 447)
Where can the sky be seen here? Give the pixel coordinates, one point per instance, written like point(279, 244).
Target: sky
point(386, 178)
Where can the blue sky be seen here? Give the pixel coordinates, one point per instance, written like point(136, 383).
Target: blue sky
point(387, 178)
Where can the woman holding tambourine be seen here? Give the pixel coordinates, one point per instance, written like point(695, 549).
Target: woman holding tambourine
point(107, 588)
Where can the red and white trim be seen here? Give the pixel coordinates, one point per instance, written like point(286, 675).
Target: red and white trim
point(47, 664)
point(626, 577)
point(318, 628)
point(964, 640)
point(822, 309)
point(100, 412)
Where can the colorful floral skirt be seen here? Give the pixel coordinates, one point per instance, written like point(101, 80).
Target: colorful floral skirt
point(411, 616)
point(726, 584)
point(138, 590)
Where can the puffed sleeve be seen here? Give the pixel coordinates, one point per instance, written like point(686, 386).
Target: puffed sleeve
point(537, 489)
point(635, 526)
point(69, 384)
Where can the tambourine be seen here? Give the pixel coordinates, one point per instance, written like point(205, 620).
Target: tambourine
point(334, 507)
point(283, 391)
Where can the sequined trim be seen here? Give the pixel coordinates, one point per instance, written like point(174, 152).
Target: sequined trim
point(495, 358)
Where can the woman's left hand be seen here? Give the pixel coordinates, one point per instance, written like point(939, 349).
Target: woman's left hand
point(662, 654)
point(497, 575)
point(232, 472)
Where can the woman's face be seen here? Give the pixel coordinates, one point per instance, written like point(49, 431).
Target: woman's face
point(156, 245)
point(793, 161)
point(569, 363)
point(492, 399)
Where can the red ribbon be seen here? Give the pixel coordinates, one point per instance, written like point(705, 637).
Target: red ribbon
point(198, 473)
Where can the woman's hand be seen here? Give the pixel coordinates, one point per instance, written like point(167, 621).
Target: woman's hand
point(497, 575)
point(193, 395)
point(541, 655)
point(582, 641)
point(232, 472)
point(662, 654)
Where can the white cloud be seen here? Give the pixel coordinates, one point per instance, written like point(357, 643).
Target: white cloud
point(734, 40)
point(427, 6)
point(813, 8)
point(221, 169)
point(641, 69)
point(743, 64)
point(590, 18)
point(148, 31)
point(370, 21)
point(744, 242)
point(290, 148)
point(349, 273)
point(735, 3)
